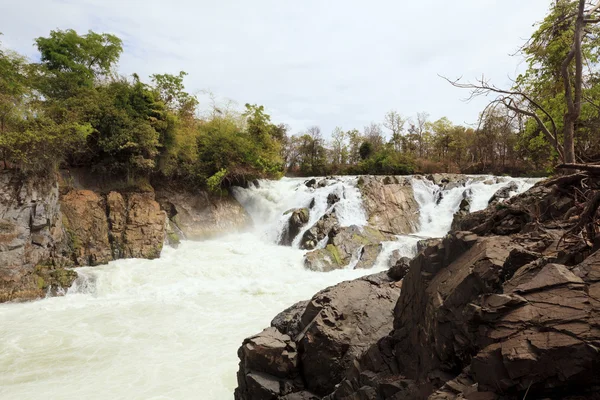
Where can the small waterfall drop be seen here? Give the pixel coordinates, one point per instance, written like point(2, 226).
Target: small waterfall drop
point(269, 200)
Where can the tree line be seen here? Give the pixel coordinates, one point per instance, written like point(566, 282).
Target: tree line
point(400, 145)
point(72, 108)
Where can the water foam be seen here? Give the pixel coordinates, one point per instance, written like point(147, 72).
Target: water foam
point(170, 328)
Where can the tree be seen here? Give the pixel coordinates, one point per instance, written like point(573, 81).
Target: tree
point(71, 61)
point(566, 36)
point(339, 149)
point(395, 123)
point(172, 92)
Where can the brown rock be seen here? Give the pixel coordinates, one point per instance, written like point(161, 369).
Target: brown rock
point(145, 230)
point(390, 204)
point(200, 215)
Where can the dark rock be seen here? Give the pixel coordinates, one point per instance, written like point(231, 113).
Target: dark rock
point(333, 333)
point(298, 218)
point(288, 321)
point(311, 183)
point(332, 198)
point(400, 269)
point(503, 193)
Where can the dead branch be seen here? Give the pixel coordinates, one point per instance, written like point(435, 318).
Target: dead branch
point(566, 180)
point(594, 169)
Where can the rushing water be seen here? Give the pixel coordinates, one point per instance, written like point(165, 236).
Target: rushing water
point(170, 328)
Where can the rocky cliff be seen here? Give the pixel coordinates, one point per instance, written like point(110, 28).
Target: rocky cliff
point(48, 225)
point(507, 308)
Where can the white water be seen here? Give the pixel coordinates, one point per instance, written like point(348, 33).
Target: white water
point(170, 328)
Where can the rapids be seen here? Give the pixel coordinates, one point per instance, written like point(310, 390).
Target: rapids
point(170, 328)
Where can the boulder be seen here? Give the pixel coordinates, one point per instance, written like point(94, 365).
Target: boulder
point(319, 231)
point(390, 203)
point(298, 218)
point(503, 193)
point(399, 270)
point(311, 183)
point(307, 359)
point(332, 198)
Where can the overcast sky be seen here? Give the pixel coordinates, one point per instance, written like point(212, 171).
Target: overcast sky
point(309, 62)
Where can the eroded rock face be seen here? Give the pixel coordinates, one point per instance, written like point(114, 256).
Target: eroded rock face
point(44, 230)
point(200, 215)
point(485, 317)
point(390, 203)
point(30, 229)
point(312, 345)
point(105, 228)
point(86, 225)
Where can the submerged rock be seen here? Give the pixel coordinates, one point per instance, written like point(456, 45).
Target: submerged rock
point(305, 360)
point(332, 198)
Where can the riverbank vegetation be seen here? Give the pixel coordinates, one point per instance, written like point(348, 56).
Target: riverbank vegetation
point(72, 108)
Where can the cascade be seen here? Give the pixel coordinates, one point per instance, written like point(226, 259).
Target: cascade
point(171, 327)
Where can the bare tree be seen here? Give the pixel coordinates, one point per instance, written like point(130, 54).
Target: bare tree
point(522, 103)
point(395, 123)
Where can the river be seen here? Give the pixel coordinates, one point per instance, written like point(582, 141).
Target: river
point(170, 328)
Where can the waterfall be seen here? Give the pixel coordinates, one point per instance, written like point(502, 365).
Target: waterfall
point(171, 327)
point(269, 200)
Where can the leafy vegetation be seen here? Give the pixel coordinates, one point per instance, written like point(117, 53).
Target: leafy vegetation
point(73, 109)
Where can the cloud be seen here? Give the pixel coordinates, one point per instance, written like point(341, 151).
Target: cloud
point(328, 63)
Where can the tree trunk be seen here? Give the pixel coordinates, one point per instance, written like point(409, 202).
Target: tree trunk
point(569, 140)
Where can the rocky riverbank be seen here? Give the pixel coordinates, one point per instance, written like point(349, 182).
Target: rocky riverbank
point(507, 306)
point(50, 225)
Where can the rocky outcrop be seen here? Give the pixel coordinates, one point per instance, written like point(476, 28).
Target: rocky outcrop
point(298, 218)
point(200, 215)
point(390, 203)
point(320, 230)
point(311, 346)
point(355, 245)
point(508, 310)
point(30, 228)
point(104, 228)
point(47, 227)
point(510, 314)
